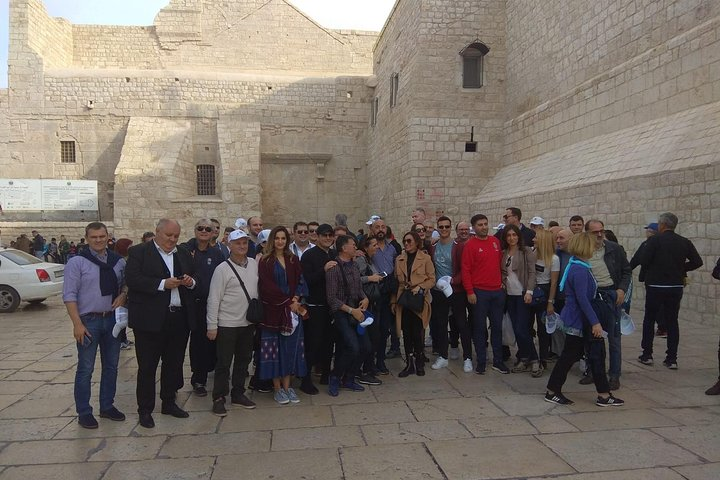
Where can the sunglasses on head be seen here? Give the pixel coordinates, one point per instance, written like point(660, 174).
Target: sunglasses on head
point(205, 229)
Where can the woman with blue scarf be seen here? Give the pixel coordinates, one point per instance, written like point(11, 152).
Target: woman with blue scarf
point(581, 325)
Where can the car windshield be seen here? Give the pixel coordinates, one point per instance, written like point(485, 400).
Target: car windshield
point(19, 258)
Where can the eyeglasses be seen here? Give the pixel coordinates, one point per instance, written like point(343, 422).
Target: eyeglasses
point(407, 241)
point(444, 227)
point(505, 217)
point(313, 230)
point(420, 230)
point(205, 229)
point(302, 232)
point(596, 232)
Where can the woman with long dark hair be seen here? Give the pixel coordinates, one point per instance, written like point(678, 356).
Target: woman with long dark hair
point(415, 273)
point(281, 339)
point(518, 274)
point(372, 282)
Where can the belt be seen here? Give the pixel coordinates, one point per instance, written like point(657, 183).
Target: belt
point(99, 314)
point(174, 308)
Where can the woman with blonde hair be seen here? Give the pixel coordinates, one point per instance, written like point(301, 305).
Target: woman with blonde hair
point(581, 325)
point(547, 273)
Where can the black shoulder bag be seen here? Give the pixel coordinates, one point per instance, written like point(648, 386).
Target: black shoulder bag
point(255, 309)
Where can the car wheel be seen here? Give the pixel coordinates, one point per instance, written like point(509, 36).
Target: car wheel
point(9, 299)
point(36, 302)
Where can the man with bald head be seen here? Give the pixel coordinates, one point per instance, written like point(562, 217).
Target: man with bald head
point(161, 307)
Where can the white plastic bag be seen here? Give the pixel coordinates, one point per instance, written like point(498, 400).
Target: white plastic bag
point(121, 320)
point(508, 334)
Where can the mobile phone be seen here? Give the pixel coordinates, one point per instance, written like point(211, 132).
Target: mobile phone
point(383, 274)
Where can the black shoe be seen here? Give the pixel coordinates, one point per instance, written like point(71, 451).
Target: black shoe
point(420, 365)
point(645, 359)
point(174, 410)
point(409, 367)
point(264, 386)
point(382, 369)
point(218, 407)
point(243, 401)
point(671, 364)
point(88, 421)
point(113, 414)
point(586, 380)
point(367, 379)
point(199, 389)
point(557, 398)
point(609, 402)
point(714, 390)
point(307, 386)
point(324, 379)
point(480, 369)
point(500, 367)
point(146, 420)
point(614, 383)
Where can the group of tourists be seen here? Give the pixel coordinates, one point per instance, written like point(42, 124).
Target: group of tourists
point(322, 305)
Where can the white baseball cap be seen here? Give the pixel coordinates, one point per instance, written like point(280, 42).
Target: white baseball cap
point(373, 219)
point(443, 284)
point(240, 223)
point(263, 235)
point(237, 235)
point(537, 221)
point(500, 226)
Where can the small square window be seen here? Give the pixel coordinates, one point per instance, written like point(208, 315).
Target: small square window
point(67, 151)
point(205, 180)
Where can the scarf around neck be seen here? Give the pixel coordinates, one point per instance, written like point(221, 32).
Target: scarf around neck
point(575, 261)
point(108, 278)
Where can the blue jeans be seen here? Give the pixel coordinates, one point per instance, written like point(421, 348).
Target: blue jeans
point(520, 315)
point(101, 330)
point(490, 304)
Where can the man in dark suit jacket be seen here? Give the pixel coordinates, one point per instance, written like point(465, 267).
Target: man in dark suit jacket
point(161, 306)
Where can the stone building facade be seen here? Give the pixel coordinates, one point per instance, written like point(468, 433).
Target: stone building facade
point(607, 109)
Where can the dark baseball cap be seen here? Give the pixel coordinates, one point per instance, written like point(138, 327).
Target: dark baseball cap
point(324, 229)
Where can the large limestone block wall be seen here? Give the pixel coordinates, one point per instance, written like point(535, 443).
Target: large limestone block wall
point(625, 85)
point(212, 35)
point(418, 146)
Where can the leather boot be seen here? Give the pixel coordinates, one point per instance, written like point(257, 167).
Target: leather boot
point(420, 365)
point(409, 367)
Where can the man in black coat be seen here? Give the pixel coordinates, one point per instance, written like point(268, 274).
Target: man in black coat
point(161, 305)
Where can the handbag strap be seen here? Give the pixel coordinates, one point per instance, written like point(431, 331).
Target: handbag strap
point(242, 284)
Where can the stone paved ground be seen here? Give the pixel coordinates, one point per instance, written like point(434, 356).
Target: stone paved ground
point(447, 424)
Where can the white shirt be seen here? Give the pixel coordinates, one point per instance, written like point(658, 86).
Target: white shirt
point(294, 248)
point(542, 274)
point(168, 259)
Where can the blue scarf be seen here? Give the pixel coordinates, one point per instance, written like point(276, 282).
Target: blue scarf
point(575, 261)
point(108, 278)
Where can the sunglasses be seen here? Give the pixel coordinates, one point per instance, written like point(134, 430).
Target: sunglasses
point(419, 230)
point(444, 227)
point(302, 232)
point(205, 229)
point(313, 230)
point(407, 241)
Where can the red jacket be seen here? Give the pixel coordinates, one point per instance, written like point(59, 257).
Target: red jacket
point(456, 257)
point(481, 264)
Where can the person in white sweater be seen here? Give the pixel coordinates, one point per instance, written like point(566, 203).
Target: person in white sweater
point(226, 322)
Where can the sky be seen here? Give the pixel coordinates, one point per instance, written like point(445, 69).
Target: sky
point(347, 14)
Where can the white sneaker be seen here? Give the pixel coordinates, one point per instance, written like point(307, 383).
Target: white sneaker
point(439, 363)
point(467, 366)
point(454, 353)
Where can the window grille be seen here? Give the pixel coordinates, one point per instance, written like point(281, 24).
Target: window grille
point(67, 151)
point(206, 180)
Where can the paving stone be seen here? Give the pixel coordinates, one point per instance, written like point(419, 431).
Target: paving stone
point(693, 415)
point(414, 432)
point(551, 424)
point(185, 446)
point(7, 400)
point(177, 469)
point(372, 413)
point(316, 437)
point(640, 474)
point(107, 428)
point(84, 471)
point(279, 465)
point(618, 419)
point(45, 407)
point(32, 429)
point(415, 388)
point(49, 451)
point(399, 462)
point(523, 405)
point(123, 449)
point(679, 397)
point(498, 426)
point(703, 440)
point(710, 471)
point(448, 408)
point(198, 423)
point(635, 449)
point(270, 419)
point(482, 458)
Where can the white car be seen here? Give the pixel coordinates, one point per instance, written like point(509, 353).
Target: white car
point(26, 278)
